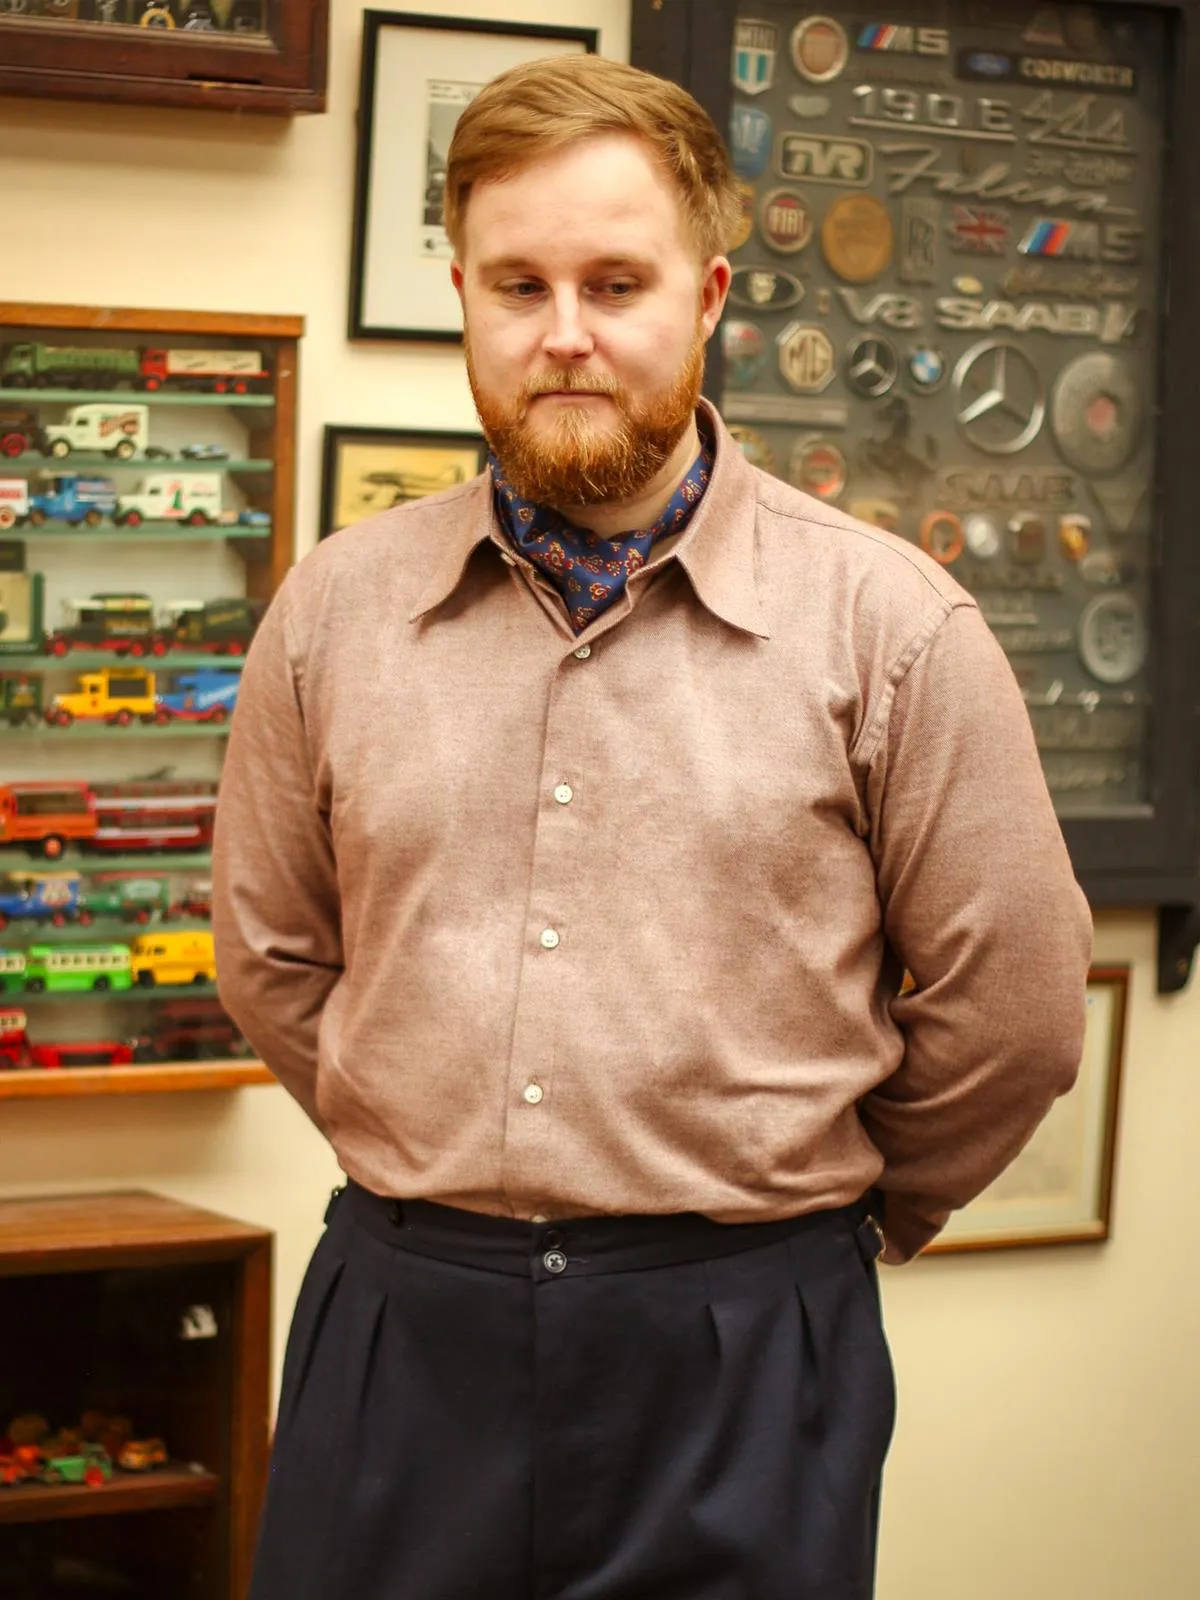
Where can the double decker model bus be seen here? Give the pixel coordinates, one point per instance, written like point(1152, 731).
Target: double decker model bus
point(12, 971)
point(46, 816)
point(67, 969)
point(153, 816)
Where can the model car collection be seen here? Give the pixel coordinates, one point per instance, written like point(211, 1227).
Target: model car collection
point(89, 1453)
point(69, 899)
point(36, 365)
point(195, 1029)
point(44, 816)
point(134, 624)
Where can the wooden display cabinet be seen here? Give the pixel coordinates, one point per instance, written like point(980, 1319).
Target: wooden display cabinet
point(147, 465)
point(137, 1304)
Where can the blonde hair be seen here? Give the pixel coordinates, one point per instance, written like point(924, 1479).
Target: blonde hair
point(543, 106)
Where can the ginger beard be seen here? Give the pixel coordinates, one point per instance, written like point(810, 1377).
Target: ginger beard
point(580, 458)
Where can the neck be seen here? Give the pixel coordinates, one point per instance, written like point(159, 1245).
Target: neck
point(643, 509)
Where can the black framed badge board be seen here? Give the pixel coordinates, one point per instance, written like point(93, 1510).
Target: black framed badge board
point(962, 228)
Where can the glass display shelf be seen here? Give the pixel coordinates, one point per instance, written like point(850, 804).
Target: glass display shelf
point(175, 1484)
point(131, 730)
point(144, 533)
point(96, 458)
point(52, 1083)
point(149, 397)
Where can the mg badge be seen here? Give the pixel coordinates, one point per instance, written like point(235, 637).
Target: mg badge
point(856, 237)
point(785, 221)
point(1096, 413)
point(745, 352)
point(806, 358)
point(982, 536)
point(818, 468)
point(755, 44)
point(926, 368)
point(1000, 403)
point(904, 40)
point(848, 162)
point(753, 446)
point(1112, 638)
point(820, 49)
point(1074, 535)
point(942, 537)
point(763, 289)
point(749, 140)
point(871, 367)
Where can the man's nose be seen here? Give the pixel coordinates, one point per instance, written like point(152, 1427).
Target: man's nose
point(567, 339)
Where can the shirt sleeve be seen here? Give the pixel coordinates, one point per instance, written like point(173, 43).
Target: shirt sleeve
point(980, 904)
point(276, 918)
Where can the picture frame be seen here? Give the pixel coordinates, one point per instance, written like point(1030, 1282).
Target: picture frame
point(230, 55)
point(417, 74)
point(365, 470)
point(1059, 1189)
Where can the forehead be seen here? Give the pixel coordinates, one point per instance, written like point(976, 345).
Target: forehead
point(603, 193)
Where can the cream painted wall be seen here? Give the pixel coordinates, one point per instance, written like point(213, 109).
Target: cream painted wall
point(1049, 1409)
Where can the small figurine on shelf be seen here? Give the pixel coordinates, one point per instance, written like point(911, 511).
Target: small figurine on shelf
point(114, 695)
point(203, 696)
point(70, 498)
point(45, 898)
point(225, 626)
point(19, 430)
point(14, 1052)
point(204, 452)
point(123, 623)
point(20, 699)
point(172, 958)
point(189, 497)
point(14, 502)
point(116, 430)
point(142, 1455)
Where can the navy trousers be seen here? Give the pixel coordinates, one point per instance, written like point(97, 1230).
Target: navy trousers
point(629, 1408)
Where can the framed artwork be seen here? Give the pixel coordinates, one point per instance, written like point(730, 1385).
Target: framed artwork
point(418, 73)
point(232, 55)
point(1059, 1189)
point(368, 470)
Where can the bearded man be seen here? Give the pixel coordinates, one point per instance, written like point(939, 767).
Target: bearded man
point(576, 830)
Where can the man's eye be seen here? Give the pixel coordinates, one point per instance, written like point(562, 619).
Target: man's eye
point(620, 289)
point(524, 290)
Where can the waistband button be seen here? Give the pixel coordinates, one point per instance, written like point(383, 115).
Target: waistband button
point(552, 1239)
point(554, 1261)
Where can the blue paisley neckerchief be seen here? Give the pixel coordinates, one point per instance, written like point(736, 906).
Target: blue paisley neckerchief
point(588, 570)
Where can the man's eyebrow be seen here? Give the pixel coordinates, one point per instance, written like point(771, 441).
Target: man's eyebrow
point(614, 263)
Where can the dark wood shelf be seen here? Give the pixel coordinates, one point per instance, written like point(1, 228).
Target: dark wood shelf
point(160, 1490)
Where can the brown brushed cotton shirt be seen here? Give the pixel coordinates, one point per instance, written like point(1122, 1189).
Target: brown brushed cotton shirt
point(543, 925)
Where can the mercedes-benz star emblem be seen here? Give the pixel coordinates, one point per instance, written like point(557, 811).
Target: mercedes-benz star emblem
point(872, 366)
point(999, 398)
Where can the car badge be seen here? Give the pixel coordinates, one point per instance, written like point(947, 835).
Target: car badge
point(883, 514)
point(1096, 413)
point(984, 64)
point(1000, 401)
point(893, 310)
point(808, 157)
point(818, 468)
point(824, 301)
point(1078, 126)
point(1045, 29)
point(755, 46)
point(745, 352)
point(820, 49)
point(745, 223)
point(1100, 569)
point(1027, 538)
point(808, 105)
point(1074, 535)
point(787, 410)
point(978, 488)
point(806, 357)
point(903, 39)
point(921, 163)
point(942, 537)
point(753, 446)
point(967, 285)
point(978, 230)
point(764, 289)
point(871, 366)
point(1112, 638)
point(856, 237)
point(982, 536)
point(1120, 501)
point(749, 140)
point(785, 221)
point(920, 225)
point(1081, 241)
point(926, 368)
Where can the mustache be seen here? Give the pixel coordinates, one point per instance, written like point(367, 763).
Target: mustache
point(567, 381)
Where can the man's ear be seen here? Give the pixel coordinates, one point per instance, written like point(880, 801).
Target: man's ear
point(714, 287)
point(456, 277)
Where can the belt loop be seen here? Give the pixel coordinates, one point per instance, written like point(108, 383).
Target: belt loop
point(334, 1197)
point(869, 1238)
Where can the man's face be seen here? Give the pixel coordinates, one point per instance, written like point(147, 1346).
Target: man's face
point(586, 312)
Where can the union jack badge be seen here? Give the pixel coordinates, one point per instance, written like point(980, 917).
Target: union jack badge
point(978, 230)
point(754, 48)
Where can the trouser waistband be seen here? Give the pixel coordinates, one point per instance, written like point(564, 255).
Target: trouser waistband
point(586, 1244)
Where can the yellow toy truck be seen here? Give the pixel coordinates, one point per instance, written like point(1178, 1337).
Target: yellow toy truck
point(114, 694)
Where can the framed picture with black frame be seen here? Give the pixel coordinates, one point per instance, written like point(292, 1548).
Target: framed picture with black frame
point(418, 74)
point(367, 470)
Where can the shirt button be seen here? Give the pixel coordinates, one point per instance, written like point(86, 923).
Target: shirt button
point(533, 1093)
point(550, 939)
point(554, 1261)
point(583, 652)
point(564, 794)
